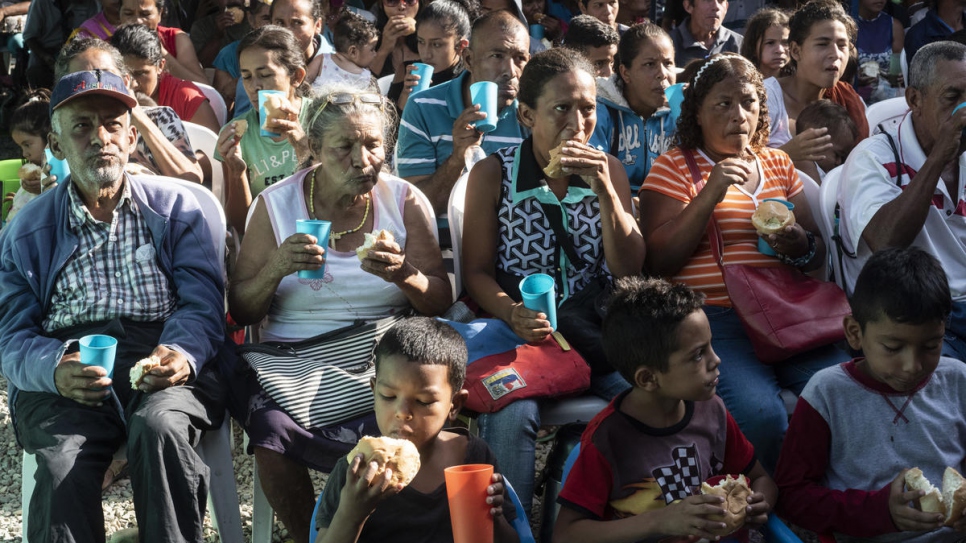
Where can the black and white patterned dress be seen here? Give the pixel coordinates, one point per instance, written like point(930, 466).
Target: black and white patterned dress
point(527, 241)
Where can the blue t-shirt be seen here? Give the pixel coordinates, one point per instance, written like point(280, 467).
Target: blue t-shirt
point(426, 130)
point(635, 141)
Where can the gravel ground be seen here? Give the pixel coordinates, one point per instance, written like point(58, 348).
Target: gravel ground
point(118, 508)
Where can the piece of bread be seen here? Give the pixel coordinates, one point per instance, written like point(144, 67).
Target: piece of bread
point(410, 26)
point(399, 455)
point(142, 368)
point(954, 495)
point(237, 13)
point(362, 251)
point(554, 170)
point(273, 110)
point(735, 491)
point(932, 502)
point(772, 217)
point(30, 172)
point(241, 126)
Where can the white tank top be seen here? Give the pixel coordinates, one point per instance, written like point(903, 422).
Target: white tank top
point(303, 308)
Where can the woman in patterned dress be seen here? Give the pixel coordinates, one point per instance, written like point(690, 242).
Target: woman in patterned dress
point(509, 233)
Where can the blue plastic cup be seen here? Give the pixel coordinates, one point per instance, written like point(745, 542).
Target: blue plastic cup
point(959, 107)
point(425, 73)
point(57, 167)
point(539, 292)
point(763, 246)
point(484, 94)
point(537, 31)
point(675, 97)
point(262, 114)
point(319, 229)
point(99, 350)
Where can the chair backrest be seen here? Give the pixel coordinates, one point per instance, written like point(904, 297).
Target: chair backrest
point(828, 197)
point(454, 211)
point(904, 66)
point(217, 102)
point(384, 83)
point(214, 215)
point(812, 192)
point(204, 140)
point(521, 524)
point(889, 113)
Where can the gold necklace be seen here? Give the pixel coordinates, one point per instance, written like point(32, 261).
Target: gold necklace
point(334, 237)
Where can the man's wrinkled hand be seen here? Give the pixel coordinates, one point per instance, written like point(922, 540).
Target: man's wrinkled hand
point(173, 371)
point(82, 383)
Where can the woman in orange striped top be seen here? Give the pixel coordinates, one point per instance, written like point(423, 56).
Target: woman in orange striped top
point(724, 127)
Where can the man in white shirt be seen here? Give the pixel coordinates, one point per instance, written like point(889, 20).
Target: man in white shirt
point(908, 190)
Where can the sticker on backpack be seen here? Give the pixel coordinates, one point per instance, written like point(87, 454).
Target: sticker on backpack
point(503, 382)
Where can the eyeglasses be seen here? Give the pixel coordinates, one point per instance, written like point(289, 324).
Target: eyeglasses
point(394, 3)
point(346, 98)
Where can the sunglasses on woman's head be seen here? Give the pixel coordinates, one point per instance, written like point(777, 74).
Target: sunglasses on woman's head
point(394, 3)
point(345, 98)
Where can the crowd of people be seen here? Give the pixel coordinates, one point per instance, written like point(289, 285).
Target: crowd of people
point(622, 157)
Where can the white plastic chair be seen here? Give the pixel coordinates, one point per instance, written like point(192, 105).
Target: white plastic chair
point(889, 113)
point(812, 192)
point(214, 447)
point(384, 83)
point(454, 212)
point(904, 67)
point(828, 197)
point(217, 102)
point(204, 140)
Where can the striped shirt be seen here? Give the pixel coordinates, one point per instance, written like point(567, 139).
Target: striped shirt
point(426, 129)
point(112, 273)
point(670, 176)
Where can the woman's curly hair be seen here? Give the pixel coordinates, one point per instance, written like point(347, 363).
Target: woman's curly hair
point(713, 70)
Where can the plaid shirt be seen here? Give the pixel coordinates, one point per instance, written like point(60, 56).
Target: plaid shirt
point(112, 273)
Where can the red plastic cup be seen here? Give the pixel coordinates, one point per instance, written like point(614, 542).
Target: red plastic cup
point(468, 510)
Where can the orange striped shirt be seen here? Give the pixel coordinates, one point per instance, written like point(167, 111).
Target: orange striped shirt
point(671, 177)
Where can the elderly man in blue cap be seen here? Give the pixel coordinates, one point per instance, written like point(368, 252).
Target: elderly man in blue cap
point(130, 257)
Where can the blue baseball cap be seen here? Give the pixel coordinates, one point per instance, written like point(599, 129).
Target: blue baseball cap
point(89, 83)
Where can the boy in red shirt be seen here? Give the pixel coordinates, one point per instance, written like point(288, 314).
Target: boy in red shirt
point(643, 458)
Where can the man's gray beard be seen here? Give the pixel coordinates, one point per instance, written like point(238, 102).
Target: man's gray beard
point(102, 176)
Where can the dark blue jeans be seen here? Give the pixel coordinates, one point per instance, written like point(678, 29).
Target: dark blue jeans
point(751, 389)
point(74, 445)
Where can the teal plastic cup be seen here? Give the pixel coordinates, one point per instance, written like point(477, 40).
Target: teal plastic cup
point(262, 94)
point(99, 350)
point(57, 167)
point(763, 246)
point(425, 73)
point(959, 107)
point(484, 94)
point(539, 292)
point(537, 31)
point(319, 229)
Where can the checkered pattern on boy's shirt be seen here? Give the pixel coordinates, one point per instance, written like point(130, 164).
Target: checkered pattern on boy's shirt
point(676, 481)
point(112, 273)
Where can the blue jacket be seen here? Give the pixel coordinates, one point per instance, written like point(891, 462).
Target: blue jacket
point(638, 141)
point(35, 247)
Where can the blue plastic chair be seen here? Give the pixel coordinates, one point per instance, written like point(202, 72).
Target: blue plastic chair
point(521, 524)
point(775, 530)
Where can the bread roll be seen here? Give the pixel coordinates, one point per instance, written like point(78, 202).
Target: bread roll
point(554, 169)
point(954, 495)
point(932, 502)
point(237, 13)
point(380, 235)
point(410, 26)
point(273, 110)
point(30, 172)
point(735, 491)
point(399, 455)
point(141, 369)
point(772, 217)
point(241, 126)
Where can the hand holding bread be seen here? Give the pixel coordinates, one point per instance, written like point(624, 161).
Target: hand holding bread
point(735, 492)
point(772, 217)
